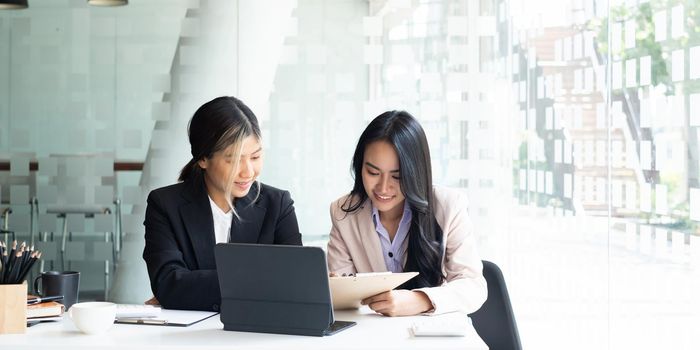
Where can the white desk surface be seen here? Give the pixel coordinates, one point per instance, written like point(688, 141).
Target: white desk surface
point(372, 331)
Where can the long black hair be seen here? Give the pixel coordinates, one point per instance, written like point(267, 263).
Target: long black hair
point(402, 130)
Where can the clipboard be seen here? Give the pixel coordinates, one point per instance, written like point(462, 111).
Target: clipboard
point(348, 291)
point(174, 318)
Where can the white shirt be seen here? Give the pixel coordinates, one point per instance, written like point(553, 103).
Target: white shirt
point(222, 222)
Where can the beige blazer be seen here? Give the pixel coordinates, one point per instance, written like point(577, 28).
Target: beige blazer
point(354, 247)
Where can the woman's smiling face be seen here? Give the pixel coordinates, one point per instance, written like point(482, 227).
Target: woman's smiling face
point(380, 177)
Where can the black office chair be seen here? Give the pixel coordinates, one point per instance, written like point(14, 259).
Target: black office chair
point(494, 321)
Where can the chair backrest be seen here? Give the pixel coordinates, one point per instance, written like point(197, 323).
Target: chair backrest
point(494, 321)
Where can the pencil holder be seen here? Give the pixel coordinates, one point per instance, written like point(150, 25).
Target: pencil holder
point(13, 308)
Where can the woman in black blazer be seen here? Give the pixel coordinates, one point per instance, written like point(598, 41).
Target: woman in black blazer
point(218, 200)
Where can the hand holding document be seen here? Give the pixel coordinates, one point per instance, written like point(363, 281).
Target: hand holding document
point(348, 291)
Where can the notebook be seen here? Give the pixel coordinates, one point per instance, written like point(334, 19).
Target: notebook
point(46, 309)
point(275, 289)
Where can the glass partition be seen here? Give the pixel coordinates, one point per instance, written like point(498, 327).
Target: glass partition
point(572, 125)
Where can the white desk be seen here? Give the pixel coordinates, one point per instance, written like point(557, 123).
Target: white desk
point(371, 332)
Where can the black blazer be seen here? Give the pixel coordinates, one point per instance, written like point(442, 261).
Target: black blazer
point(179, 251)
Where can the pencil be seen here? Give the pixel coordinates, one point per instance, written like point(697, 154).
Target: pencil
point(4, 266)
point(20, 263)
point(2, 252)
point(26, 255)
point(14, 269)
point(16, 263)
point(28, 266)
point(3, 262)
point(10, 256)
point(10, 262)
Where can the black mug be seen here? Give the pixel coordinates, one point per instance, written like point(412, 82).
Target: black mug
point(64, 283)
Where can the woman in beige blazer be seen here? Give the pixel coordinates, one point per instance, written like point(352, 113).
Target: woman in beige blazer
point(394, 219)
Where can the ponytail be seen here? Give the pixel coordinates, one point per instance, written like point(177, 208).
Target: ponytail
point(190, 171)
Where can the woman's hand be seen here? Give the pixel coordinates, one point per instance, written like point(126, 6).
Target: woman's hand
point(399, 303)
point(152, 301)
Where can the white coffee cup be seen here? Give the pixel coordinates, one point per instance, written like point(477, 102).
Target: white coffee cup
point(93, 317)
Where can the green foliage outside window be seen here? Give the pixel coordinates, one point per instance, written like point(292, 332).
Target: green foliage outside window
point(658, 51)
point(646, 44)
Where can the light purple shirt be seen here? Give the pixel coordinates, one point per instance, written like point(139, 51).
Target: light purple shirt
point(394, 251)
